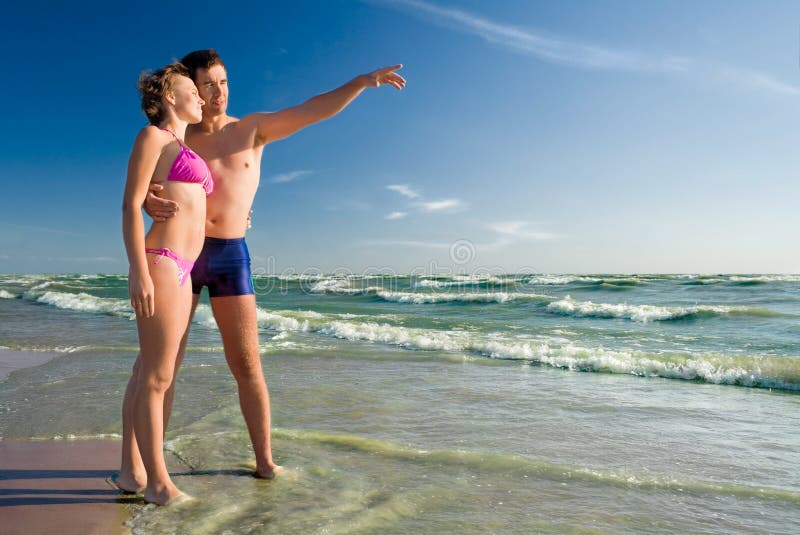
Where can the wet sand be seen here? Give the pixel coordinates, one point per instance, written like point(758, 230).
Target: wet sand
point(60, 487)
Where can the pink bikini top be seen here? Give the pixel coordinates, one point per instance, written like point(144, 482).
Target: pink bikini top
point(189, 167)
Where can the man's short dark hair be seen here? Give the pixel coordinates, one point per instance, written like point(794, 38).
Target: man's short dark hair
point(201, 59)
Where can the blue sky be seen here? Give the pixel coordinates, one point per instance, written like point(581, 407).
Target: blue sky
point(607, 136)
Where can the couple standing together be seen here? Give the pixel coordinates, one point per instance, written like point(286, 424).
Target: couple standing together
point(196, 240)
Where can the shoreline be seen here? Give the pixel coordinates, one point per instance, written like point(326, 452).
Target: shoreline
point(60, 487)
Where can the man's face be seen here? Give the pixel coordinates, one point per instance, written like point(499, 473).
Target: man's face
point(213, 86)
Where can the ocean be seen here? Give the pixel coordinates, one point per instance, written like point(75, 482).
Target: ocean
point(460, 403)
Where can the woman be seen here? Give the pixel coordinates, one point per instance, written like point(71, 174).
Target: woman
point(160, 264)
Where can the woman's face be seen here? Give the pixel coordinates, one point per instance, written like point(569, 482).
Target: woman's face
point(188, 104)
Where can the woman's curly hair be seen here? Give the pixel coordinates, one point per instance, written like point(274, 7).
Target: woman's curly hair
point(153, 85)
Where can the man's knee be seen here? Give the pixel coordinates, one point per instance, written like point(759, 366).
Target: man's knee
point(246, 366)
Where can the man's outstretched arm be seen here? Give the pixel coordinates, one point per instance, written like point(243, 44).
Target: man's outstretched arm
point(278, 125)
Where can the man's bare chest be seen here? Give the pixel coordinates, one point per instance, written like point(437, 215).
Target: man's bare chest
point(226, 159)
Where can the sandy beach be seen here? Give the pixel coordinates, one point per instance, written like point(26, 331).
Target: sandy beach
point(60, 487)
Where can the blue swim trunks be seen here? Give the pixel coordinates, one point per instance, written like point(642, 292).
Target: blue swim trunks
point(223, 266)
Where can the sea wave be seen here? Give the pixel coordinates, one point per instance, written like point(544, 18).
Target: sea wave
point(645, 313)
point(752, 371)
point(7, 295)
point(341, 287)
point(552, 280)
point(84, 302)
point(25, 279)
point(752, 280)
point(331, 286)
point(703, 281)
point(464, 280)
point(464, 297)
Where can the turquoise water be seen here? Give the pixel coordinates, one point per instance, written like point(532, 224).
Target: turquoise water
point(464, 404)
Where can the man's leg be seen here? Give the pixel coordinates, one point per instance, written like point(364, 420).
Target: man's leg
point(236, 318)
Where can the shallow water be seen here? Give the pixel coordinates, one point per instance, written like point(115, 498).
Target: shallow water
point(489, 405)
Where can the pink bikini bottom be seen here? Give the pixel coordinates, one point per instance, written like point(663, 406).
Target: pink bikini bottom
point(184, 266)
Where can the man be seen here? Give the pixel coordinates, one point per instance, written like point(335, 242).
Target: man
point(232, 149)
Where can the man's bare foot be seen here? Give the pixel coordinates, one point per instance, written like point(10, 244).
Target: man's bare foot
point(128, 485)
point(269, 472)
point(166, 495)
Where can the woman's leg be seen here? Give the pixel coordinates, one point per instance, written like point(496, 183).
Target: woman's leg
point(169, 397)
point(132, 475)
point(159, 341)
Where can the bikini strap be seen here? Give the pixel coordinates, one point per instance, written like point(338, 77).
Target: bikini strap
point(174, 135)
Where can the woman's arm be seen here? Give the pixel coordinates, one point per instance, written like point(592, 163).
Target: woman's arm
point(141, 166)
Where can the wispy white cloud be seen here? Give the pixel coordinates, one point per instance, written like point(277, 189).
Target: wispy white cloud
point(750, 78)
point(444, 205)
point(506, 233)
point(404, 190)
point(569, 51)
point(290, 176)
point(518, 230)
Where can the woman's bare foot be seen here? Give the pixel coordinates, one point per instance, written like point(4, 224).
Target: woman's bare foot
point(126, 484)
point(165, 495)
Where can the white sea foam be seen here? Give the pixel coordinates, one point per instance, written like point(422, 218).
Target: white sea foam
point(764, 278)
point(747, 371)
point(278, 320)
point(555, 351)
point(41, 286)
point(330, 285)
point(700, 281)
point(287, 321)
point(559, 279)
point(463, 280)
point(84, 302)
point(25, 279)
point(7, 295)
point(302, 277)
point(204, 316)
point(341, 287)
point(641, 313)
point(394, 335)
point(464, 297)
